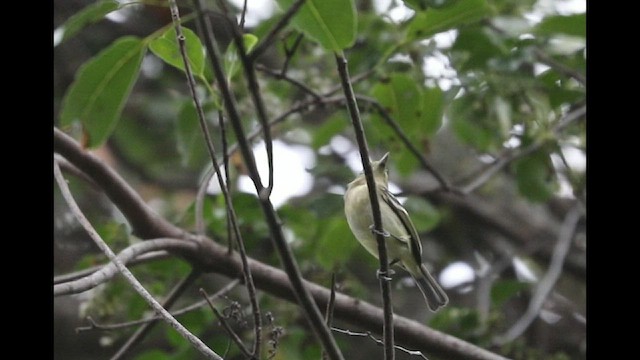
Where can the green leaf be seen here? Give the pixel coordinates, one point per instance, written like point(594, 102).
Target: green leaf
point(402, 99)
point(466, 114)
point(335, 244)
point(533, 177)
point(503, 290)
point(573, 25)
point(166, 48)
point(432, 110)
point(332, 23)
point(154, 355)
point(323, 133)
point(190, 141)
point(474, 48)
point(101, 88)
point(231, 59)
point(433, 21)
point(425, 217)
point(84, 17)
point(424, 4)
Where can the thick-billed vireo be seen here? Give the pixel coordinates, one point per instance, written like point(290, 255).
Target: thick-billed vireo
point(402, 240)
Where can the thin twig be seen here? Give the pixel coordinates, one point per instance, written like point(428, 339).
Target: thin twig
point(258, 102)
point(227, 176)
point(108, 271)
point(145, 223)
point(559, 67)
point(311, 311)
point(354, 80)
point(546, 284)
point(385, 287)
point(232, 334)
point(289, 52)
point(444, 184)
point(66, 193)
point(280, 76)
point(328, 315)
point(223, 187)
point(493, 168)
point(213, 257)
point(141, 259)
point(242, 16)
point(65, 165)
point(195, 306)
point(271, 36)
point(378, 341)
point(171, 299)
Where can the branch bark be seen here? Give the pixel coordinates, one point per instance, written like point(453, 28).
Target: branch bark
point(213, 257)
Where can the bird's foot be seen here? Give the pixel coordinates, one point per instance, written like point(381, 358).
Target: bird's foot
point(385, 275)
point(383, 232)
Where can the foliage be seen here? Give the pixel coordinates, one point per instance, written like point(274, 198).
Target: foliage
point(471, 84)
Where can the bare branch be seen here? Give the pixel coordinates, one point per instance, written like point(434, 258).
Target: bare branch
point(145, 222)
point(211, 256)
point(256, 97)
point(141, 259)
point(171, 299)
point(66, 193)
point(311, 311)
point(378, 341)
point(110, 270)
point(108, 327)
point(281, 76)
point(232, 334)
point(444, 184)
point(223, 186)
point(328, 315)
point(509, 156)
point(385, 287)
point(271, 36)
point(546, 284)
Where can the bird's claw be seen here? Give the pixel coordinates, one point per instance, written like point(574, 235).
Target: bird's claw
point(385, 275)
point(383, 232)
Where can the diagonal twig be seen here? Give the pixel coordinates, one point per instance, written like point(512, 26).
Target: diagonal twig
point(385, 287)
point(66, 193)
point(248, 278)
point(546, 284)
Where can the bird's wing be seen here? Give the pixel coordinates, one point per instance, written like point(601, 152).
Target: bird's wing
point(398, 209)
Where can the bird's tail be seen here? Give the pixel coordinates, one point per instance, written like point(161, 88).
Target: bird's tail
point(431, 290)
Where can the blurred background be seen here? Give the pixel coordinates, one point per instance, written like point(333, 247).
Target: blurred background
point(496, 105)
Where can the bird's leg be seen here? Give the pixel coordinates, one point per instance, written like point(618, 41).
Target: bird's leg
point(383, 275)
point(383, 232)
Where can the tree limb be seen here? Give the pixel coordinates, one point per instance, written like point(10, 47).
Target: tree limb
point(194, 340)
point(213, 257)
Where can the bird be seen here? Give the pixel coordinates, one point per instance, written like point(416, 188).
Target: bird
point(401, 238)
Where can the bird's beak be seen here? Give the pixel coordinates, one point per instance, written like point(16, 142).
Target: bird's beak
point(383, 159)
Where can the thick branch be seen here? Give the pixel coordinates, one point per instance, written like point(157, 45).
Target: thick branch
point(213, 257)
point(195, 341)
point(248, 280)
point(310, 309)
point(145, 223)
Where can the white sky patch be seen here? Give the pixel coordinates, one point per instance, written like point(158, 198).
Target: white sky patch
point(576, 158)
point(396, 11)
point(257, 10)
point(456, 274)
point(58, 34)
point(290, 176)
